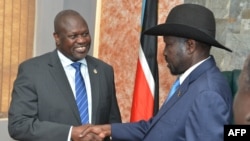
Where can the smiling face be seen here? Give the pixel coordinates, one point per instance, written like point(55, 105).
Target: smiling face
point(72, 36)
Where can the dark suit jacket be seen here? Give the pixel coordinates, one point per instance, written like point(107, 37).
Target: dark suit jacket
point(43, 106)
point(197, 112)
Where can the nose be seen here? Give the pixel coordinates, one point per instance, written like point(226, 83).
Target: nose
point(81, 39)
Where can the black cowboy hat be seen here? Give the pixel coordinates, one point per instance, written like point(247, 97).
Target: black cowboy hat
point(189, 21)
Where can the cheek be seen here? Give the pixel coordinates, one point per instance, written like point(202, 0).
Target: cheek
point(170, 52)
point(88, 39)
point(68, 43)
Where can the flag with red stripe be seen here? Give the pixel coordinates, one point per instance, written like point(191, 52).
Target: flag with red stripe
point(146, 89)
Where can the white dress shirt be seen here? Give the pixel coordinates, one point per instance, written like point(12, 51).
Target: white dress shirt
point(70, 73)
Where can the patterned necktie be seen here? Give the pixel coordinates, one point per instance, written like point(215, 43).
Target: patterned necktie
point(175, 86)
point(81, 94)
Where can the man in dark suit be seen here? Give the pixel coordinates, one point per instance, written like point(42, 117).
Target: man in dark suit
point(202, 104)
point(43, 106)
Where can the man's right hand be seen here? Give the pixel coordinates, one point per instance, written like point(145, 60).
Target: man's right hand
point(101, 130)
point(76, 134)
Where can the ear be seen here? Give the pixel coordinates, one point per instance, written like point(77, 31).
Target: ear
point(191, 45)
point(57, 39)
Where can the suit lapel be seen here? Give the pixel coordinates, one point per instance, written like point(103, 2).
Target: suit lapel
point(94, 73)
point(177, 95)
point(58, 73)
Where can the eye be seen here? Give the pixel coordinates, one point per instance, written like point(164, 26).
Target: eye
point(85, 34)
point(72, 36)
point(168, 45)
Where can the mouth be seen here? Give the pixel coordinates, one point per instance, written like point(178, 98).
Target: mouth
point(81, 49)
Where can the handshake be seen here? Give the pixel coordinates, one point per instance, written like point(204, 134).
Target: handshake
point(90, 132)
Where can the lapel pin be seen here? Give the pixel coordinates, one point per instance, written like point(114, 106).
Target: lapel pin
point(95, 71)
point(179, 93)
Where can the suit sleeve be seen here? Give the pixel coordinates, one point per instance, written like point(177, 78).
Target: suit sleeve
point(23, 113)
point(130, 131)
point(206, 119)
point(115, 116)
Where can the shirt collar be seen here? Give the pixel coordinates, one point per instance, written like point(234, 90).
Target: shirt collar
point(67, 62)
point(188, 71)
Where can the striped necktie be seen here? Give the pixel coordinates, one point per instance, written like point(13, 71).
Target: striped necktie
point(81, 94)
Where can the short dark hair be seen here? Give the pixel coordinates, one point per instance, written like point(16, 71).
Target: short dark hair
point(61, 16)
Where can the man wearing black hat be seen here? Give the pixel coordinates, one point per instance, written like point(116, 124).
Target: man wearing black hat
point(202, 104)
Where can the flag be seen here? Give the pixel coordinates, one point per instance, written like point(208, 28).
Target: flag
point(145, 102)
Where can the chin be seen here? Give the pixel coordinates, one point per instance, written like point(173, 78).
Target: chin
point(80, 56)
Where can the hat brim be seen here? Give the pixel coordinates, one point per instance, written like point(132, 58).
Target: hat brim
point(185, 32)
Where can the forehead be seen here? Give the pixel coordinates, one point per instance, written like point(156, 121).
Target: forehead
point(74, 24)
point(172, 39)
point(169, 38)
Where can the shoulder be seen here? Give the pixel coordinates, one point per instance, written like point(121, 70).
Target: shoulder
point(39, 60)
point(96, 61)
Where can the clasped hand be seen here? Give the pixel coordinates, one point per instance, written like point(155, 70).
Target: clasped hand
point(90, 132)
